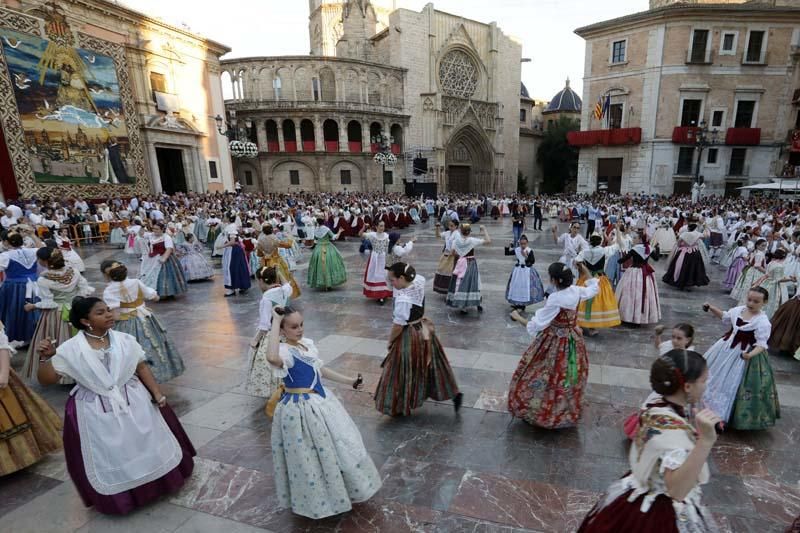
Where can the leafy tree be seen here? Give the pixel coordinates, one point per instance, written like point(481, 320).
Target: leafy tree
point(522, 183)
point(559, 160)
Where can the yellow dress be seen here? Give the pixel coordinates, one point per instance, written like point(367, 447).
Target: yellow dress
point(600, 311)
point(275, 260)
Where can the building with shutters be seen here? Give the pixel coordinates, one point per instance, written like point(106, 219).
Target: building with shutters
point(727, 67)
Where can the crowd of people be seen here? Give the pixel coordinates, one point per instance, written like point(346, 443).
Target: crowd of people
point(117, 352)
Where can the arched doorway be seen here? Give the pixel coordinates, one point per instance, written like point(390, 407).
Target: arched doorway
point(469, 161)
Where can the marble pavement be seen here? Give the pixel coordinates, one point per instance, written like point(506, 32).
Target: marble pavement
point(479, 472)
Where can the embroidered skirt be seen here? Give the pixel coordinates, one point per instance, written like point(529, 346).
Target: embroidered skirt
point(19, 323)
point(444, 270)
point(414, 369)
point(785, 335)
point(261, 380)
point(734, 271)
point(637, 298)
point(725, 372)
point(756, 405)
point(602, 310)
point(524, 286)
point(465, 292)
point(29, 428)
point(171, 281)
point(326, 267)
point(686, 269)
point(196, 267)
point(51, 325)
point(279, 263)
point(161, 355)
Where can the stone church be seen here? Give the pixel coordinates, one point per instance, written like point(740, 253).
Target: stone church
point(426, 86)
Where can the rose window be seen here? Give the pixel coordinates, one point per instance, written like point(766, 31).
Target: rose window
point(458, 74)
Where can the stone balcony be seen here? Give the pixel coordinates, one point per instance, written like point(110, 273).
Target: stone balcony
point(304, 107)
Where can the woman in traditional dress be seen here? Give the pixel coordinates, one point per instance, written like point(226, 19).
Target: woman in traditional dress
point(29, 428)
point(58, 285)
point(620, 244)
point(117, 237)
point(416, 366)
point(738, 263)
point(320, 463)
point(637, 291)
point(755, 268)
point(123, 444)
point(741, 387)
point(785, 335)
point(290, 254)
point(465, 284)
point(686, 265)
point(160, 269)
point(235, 266)
point(547, 387)
point(775, 282)
point(70, 255)
point(447, 261)
point(573, 243)
point(664, 236)
point(132, 234)
point(268, 249)
point(126, 297)
point(18, 288)
point(601, 311)
point(193, 261)
point(261, 380)
point(326, 267)
point(375, 287)
point(524, 285)
point(214, 225)
point(667, 457)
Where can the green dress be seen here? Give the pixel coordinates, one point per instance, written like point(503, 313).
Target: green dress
point(326, 267)
point(756, 405)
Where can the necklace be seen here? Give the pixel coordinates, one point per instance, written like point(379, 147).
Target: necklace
point(98, 337)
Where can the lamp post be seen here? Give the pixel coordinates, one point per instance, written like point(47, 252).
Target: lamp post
point(703, 138)
point(384, 154)
point(238, 148)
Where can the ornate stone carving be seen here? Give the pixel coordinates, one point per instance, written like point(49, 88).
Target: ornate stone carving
point(458, 74)
point(455, 108)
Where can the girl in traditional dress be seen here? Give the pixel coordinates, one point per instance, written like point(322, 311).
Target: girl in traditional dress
point(261, 380)
point(637, 292)
point(70, 255)
point(249, 245)
point(160, 269)
point(738, 263)
point(290, 254)
point(131, 235)
point(214, 225)
point(741, 387)
point(117, 237)
point(29, 428)
point(18, 288)
point(621, 243)
point(123, 444)
point(686, 265)
point(326, 267)
point(682, 338)
point(465, 283)
point(447, 261)
point(375, 287)
point(235, 266)
point(524, 286)
point(193, 261)
point(416, 366)
point(602, 310)
point(58, 285)
point(320, 463)
point(755, 268)
point(667, 457)
point(547, 387)
point(268, 249)
point(775, 282)
point(664, 236)
point(126, 297)
point(573, 243)
point(785, 336)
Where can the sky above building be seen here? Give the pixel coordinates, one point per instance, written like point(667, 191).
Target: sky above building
point(280, 27)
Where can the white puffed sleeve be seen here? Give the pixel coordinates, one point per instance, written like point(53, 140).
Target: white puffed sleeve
point(168, 242)
point(542, 318)
point(763, 331)
point(672, 460)
point(402, 251)
point(4, 260)
point(726, 316)
point(84, 289)
point(149, 293)
point(46, 295)
point(591, 289)
point(401, 312)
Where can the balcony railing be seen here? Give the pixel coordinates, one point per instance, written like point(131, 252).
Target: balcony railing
point(354, 146)
point(309, 146)
point(290, 146)
point(273, 146)
point(331, 146)
point(743, 136)
point(611, 137)
point(684, 134)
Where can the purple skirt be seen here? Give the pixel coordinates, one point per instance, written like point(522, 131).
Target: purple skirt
point(733, 272)
point(124, 502)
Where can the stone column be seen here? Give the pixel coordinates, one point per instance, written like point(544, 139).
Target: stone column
point(281, 144)
point(365, 139)
point(261, 134)
point(343, 146)
point(319, 134)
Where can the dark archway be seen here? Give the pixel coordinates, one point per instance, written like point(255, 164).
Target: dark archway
point(307, 136)
point(469, 161)
point(397, 139)
point(273, 144)
point(289, 136)
point(354, 136)
point(374, 134)
point(330, 131)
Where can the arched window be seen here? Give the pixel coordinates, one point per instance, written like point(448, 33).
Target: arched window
point(330, 131)
point(252, 135)
point(374, 134)
point(289, 136)
point(227, 85)
point(354, 136)
point(273, 145)
point(307, 135)
point(397, 138)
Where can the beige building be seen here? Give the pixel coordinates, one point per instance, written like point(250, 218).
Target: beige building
point(728, 66)
point(531, 132)
point(133, 112)
point(424, 85)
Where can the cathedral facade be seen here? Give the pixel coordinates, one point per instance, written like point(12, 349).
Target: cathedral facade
point(426, 86)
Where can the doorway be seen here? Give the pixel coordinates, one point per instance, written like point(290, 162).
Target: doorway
point(682, 187)
point(170, 168)
point(609, 175)
point(458, 178)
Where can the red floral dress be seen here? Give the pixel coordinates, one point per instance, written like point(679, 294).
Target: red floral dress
point(547, 387)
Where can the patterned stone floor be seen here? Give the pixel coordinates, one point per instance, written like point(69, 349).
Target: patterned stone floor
point(479, 471)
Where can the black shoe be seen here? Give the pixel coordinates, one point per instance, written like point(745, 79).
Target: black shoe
point(382, 301)
point(458, 400)
point(480, 309)
point(463, 311)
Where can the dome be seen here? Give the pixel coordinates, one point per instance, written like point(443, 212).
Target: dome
point(565, 100)
point(523, 91)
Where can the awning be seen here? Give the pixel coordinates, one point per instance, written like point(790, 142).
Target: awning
point(786, 185)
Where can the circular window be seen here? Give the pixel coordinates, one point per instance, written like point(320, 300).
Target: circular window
point(458, 74)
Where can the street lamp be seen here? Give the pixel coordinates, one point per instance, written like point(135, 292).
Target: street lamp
point(238, 148)
point(702, 140)
point(384, 155)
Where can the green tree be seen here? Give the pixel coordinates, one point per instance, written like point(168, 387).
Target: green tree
point(559, 160)
point(522, 183)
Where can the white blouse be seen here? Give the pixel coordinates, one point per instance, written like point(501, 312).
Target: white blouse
point(758, 324)
point(276, 296)
point(128, 291)
point(405, 299)
point(568, 298)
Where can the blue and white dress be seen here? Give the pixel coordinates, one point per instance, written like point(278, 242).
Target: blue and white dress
point(19, 288)
point(524, 285)
point(321, 464)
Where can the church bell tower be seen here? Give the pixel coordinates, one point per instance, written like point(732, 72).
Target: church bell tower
point(330, 20)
